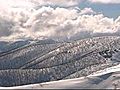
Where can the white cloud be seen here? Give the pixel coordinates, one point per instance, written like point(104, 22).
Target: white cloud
point(87, 11)
point(33, 3)
point(105, 1)
point(56, 23)
point(59, 2)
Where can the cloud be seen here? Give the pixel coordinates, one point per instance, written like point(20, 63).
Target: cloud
point(87, 11)
point(59, 2)
point(61, 23)
point(55, 23)
point(34, 3)
point(106, 1)
point(5, 27)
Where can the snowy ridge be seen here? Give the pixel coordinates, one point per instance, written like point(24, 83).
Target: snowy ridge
point(39, 63)
point(109, 74)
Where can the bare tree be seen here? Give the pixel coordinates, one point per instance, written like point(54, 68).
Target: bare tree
point(115, 84)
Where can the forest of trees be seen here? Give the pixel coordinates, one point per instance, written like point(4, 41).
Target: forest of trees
point(37, 63)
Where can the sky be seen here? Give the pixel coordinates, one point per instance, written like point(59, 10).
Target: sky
point(111, 10)
point(58, 19)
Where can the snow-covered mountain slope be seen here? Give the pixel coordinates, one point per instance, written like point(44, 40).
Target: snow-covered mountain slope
point(11, 45)
point(108, 78)
point(7, 46)
point(39, 63)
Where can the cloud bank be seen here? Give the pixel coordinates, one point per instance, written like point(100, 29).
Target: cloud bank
point(106, 1)
point(33, 3)
point(20, 22)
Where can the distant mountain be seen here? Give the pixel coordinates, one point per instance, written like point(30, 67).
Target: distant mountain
point(33, 62)
point(7, 46)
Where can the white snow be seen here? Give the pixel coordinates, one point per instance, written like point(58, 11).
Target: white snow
point(103, 79)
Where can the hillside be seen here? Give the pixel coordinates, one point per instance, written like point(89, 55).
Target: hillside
point(38, 63)
point(108, 78)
